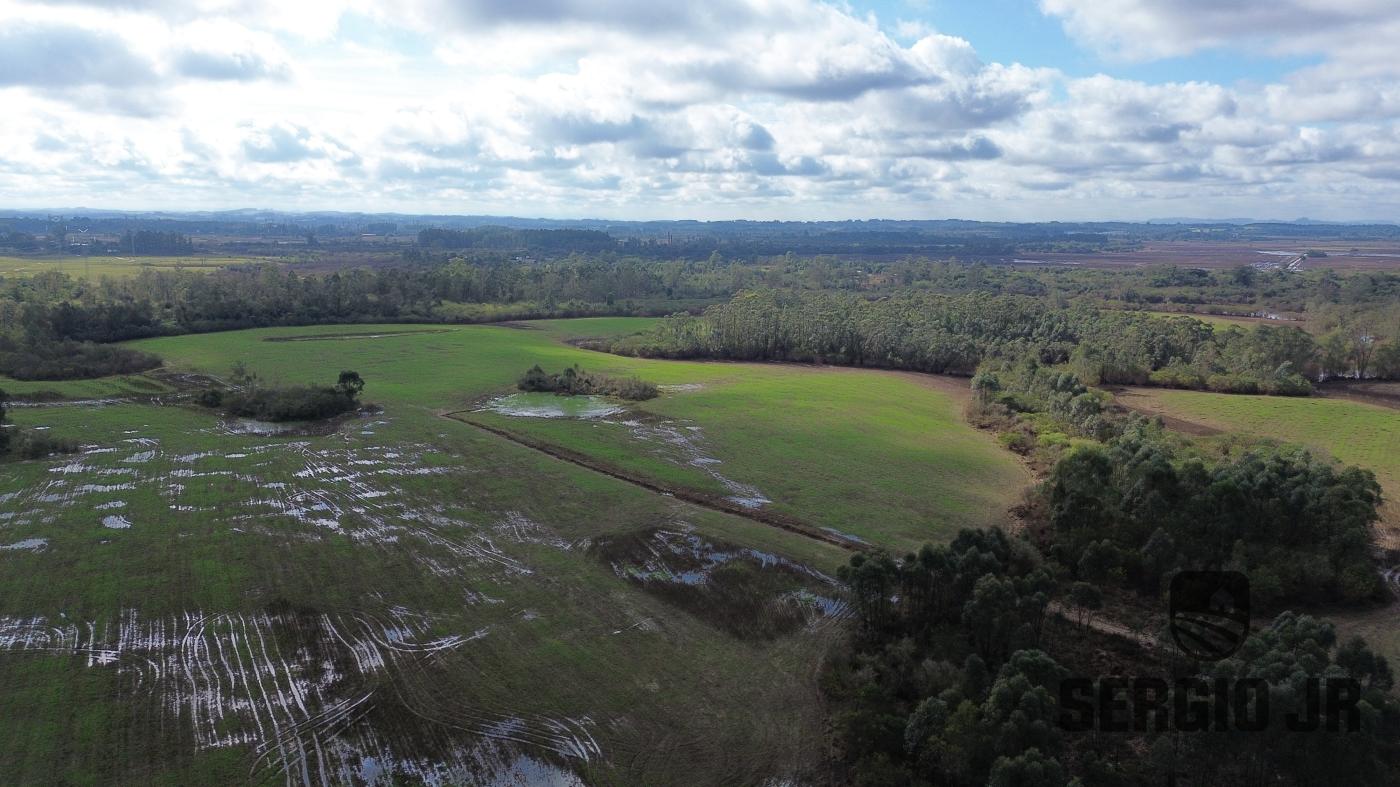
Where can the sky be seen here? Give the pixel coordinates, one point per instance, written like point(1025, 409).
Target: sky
point(1026, 110)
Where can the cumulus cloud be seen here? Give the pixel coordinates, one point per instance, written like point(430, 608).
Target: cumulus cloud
point(798, 108)
point(49, 55)
point(1146, 29)
point(126, 65)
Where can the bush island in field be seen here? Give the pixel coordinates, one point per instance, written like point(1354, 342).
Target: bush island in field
point(574, 381)
point(68, 360)
point(27, 443)
point(293, 403)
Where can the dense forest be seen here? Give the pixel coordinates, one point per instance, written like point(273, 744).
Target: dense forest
point(953, 678)
point(955, 334)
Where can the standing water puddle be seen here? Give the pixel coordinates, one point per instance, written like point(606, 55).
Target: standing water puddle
point(548, 405)
point(676, 443)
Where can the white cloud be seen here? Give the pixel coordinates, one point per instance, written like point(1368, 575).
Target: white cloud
point(791, 108)
point(1149, 29)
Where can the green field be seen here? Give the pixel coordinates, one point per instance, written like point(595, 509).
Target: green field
point(115, 266)
point(1227, 321)
point(880, 456)
point(1354, 432)
point(184, 602)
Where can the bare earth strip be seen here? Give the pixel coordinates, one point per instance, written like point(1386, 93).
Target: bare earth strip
point(1139, 402)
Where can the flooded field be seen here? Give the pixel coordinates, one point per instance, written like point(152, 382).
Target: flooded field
point(410, 579)
point(448, 602)
point(548, 405)
point(749, 592)
point(680, 443)
point(302, 691)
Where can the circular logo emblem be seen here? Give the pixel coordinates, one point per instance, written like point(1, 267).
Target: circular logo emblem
point(1209, 613)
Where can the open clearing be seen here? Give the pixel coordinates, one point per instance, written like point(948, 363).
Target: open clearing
point(412, 598)
point(1355, 432)
point(1216, 254)
point(116, 266)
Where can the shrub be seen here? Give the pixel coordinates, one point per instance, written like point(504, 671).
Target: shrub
point(295, 403)
point(72, 361)
point(29, 444)
point(301, 403)
point(210, 397)
point(574, 381)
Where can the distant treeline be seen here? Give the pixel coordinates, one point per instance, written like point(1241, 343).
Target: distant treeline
point(505, 239)
point(954, 334)
point(48, 321)
point(54, 306)
point(479, 285)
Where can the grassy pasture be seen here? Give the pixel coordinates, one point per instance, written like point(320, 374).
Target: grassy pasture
point(469, 588)
point(448, 534)
point(1222, 321)
point(99, 388)
point(1354, 432)
point(885, 457)
point(115, 266)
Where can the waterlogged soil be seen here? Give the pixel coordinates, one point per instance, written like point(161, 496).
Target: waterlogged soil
point(317, 696)
point(373, 692)
point(746, 592)
point(325, 426)
point(548, 405)
point(677, 442)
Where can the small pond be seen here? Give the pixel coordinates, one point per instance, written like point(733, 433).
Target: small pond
point(548, 405)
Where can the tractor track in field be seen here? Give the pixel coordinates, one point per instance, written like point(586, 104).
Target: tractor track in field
point(701, 499)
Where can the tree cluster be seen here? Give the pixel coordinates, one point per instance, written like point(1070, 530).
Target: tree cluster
point(69, 360)
point(154, 242)
point(1287, 654)
point(1139, 508)
point(954, 334)
point(291, 403)
point(574, 381)
point(944, 682)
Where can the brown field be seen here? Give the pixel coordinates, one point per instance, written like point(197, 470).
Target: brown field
point(1342, 255)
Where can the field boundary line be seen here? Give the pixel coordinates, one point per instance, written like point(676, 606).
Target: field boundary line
point(701, 499)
